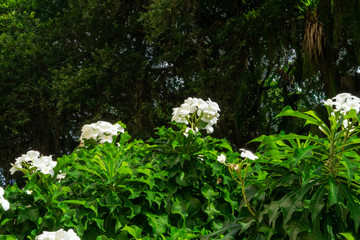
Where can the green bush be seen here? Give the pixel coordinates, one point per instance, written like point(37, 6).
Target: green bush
point(183, 185)
point(168, 186)
point(305, 186)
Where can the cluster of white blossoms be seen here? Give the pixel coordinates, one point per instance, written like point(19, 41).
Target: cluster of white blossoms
point(198, 113)
point(58, 235)
point(344, 102)
point(33, 160)
point(3, 202)
point(101, 131)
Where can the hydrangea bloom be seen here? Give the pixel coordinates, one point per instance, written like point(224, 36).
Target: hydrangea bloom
point(344, 102)
point(58, 235)
point(247, 154)
point(198, 113)
point(3, 202)
point(101, 131)
point(33, 160)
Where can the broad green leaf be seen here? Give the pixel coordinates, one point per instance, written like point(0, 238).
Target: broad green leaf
point(342, 213)
point(333, 193)
point(225, 145)
point(353, 204)
point(180, 208)
point(209, 193)
point(317, 202)
point(296, 202)
point(159, 224)
point(351, 167)
point(316, 232)
point(134, 209)
point(28, 213)
point(7, 237)
point(289, 112)
point(133, 230)
point(297, 226)
point(145, 171)
point(83, 203)
point(181, 234)
point(348, 236)
point(210, 210)
point(301, 153)
point(273, 211)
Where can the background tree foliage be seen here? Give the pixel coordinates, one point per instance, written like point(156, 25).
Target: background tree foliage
point(64, 63)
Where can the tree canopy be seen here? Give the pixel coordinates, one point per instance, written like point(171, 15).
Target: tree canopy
point(65, 63)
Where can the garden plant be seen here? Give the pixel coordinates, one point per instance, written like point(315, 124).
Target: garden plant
point(185, 184)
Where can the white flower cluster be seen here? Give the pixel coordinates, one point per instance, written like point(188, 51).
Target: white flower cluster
point(58, 235)
point(32, 159)
point(344, 102)
point(3, 202)
point(101, 131)
point(206, 112)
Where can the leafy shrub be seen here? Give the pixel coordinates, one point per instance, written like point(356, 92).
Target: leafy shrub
point(169, 186)
point(305, 186)
point(182, 185)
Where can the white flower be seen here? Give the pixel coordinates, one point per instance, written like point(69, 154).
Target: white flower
point(3, 202)
point(60, 176)
point(15, 167)
point(46, 170)
point(88, 132)
point(58, 235)
point(209, 129)
point(247, 154)
point(32, 155)
point(31, 160)
point(344, 102)
point(329, 102)
point(105, 138)
point(197, 111)
point(221, 158)
point(101, 131)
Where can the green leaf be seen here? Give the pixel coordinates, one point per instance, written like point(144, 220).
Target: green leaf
point(310, 119)
point(296, 202)
point(297, 226)
point(225, 145)
point(160, 224)
point(209, 192)
point(328, 227)
point(210, 210)
point(353, 204)
point(29, 213)
point(7, 237)
point(333, 193)
point(351, 167)
point(317, 202)
point(103, 237)
point(180, 208)
point(348, 236)
point(301, 153)
point(133, 230)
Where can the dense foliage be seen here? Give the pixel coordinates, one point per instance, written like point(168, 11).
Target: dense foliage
point(65, 63)
point(182, 184)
